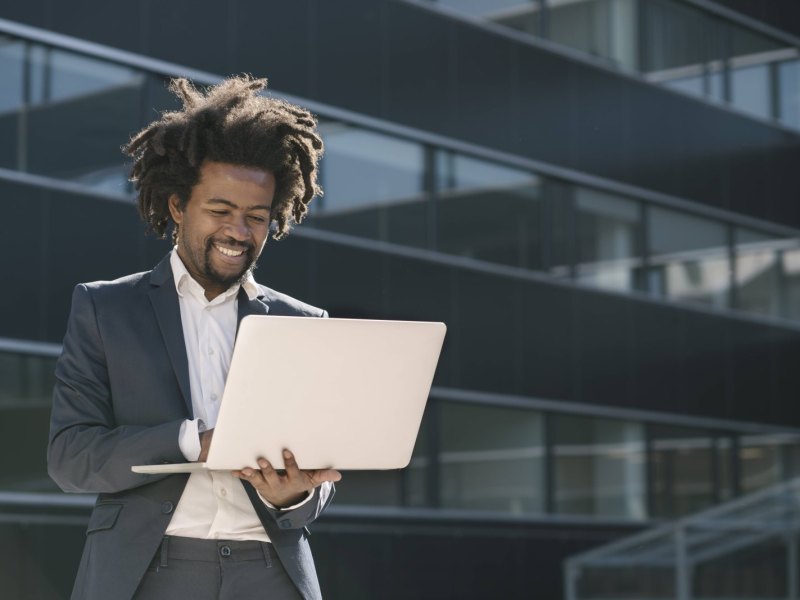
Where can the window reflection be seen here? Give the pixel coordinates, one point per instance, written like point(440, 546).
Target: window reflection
point(599, 467)
point(374, 186)
point(683, 470)
point(491, 458)
point(12, 58)
point(602, 28)
point(789, 92)
point(488, 211)
point(758, 272)
point(766, 460)
point(791, 280)
point(750, 62)
point(688, 257)
point(26, 381)
point(71, 109)
point(12, 97)
point(609, 230)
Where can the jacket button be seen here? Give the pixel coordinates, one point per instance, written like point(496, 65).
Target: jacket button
point(167, 507)
point(225, 551)
point(285, 524)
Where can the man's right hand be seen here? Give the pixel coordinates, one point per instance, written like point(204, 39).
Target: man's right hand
point(205, 442)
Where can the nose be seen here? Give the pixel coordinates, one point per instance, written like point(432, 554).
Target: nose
point(238, 229)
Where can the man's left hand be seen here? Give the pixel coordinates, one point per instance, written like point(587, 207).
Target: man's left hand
point(287, 488)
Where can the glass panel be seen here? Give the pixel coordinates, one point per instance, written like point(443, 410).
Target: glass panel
point(609, 230)
point(367, 178)
point(766, 460)
point(750, 61)
point(485, 8)
point(789, 93)
point(12, 94)
point(25, 380)
point(791, 280)
point(12, 57)
point(82, 110)
point(750, 89)
point(725, 459)
point(599, 467)
point(522, 16)
point(491, 458)
point(682, 470)
point(693, 65)
point(602, 28)
point(758, 262)
point(488, 211)
point(689, 258)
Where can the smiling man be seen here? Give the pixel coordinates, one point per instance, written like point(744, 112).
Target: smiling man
point(145, 359)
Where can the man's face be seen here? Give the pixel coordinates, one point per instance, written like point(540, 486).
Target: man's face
point(224, 225)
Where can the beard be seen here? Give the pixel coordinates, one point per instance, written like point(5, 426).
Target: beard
point(223, 280)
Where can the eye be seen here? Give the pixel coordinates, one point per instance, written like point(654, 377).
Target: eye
point(258, 219)
point(219, 212)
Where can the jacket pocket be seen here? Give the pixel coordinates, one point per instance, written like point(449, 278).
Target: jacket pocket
point(104, 516)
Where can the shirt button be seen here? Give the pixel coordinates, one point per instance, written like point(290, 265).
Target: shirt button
point(214, 397)
point(211, 351)
point(223, 492)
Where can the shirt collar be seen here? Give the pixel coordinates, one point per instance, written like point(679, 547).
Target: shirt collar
point(184, 282)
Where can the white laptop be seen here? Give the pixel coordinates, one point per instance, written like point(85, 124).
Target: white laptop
point(338, 393)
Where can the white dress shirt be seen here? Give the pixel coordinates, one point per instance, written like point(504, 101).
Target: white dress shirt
point(214, 504)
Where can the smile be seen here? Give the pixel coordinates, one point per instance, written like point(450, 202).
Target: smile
point(228, 251)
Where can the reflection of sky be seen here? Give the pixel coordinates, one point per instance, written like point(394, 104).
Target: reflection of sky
point(361, 168)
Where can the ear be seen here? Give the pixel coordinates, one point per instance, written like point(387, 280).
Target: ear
point(175, 210)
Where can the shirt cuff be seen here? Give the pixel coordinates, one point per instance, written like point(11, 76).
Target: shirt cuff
point(285, 508)
point(189, 438)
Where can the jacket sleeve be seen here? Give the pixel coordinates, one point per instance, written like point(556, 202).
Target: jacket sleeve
point(87, 451)
point(296, 518)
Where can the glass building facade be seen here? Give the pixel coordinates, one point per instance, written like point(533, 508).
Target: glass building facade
point(616, 356)
point(718, 58)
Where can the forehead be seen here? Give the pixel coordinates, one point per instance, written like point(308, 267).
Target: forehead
point(244, 183)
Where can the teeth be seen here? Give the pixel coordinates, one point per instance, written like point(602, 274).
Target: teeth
point(228, 252)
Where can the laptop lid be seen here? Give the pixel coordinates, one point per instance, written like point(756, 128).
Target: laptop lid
point(340, 393)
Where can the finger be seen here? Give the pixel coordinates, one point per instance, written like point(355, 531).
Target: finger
point(323, 475)
point(268, 472)
point(290, 464)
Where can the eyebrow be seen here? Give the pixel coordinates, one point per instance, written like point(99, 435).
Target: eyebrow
point(266, 207)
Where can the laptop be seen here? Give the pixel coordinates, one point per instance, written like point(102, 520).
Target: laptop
point(339, 393)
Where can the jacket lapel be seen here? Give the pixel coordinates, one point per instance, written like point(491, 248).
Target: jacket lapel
point(249, 307)
point(164, 298)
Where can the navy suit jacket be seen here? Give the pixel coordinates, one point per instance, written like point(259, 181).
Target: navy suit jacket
point(121, 394)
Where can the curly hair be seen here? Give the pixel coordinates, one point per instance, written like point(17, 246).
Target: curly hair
point(229, 122)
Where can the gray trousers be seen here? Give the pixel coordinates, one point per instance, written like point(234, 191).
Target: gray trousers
point(215, 570)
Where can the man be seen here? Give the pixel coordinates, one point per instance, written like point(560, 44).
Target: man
point(145, 359)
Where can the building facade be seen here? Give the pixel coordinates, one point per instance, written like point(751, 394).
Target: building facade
point(599, 198)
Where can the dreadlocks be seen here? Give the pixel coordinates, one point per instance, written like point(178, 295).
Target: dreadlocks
point(230, 123)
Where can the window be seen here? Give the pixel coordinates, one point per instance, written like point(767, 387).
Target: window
point(488, 211)
point(599, 467)
point(491, 458)
point(374, 186)
point(683, 470)
point(688, 258)
point(609, 233)
point(789, 92)
point(766, 460)
point(602, 28)
point(758, 272)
